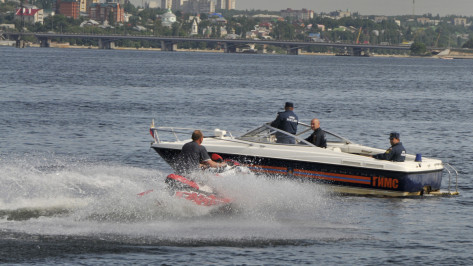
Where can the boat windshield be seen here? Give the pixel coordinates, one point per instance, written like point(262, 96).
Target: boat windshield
point(269, 134)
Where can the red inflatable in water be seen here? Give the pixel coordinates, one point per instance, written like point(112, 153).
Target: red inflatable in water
point(202, 195)
point(189, 190)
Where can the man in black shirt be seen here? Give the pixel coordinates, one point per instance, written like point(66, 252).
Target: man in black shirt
point(286, 121)
point(318, 136)
point(194, 156)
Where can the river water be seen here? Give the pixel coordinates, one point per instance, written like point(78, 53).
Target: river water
point(74, 153)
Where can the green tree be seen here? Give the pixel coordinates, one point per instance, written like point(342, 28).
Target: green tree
point(418, 48)
point(214, 32)
point(134, 20)
point(45, 4)
point(468, 44)
point(283, 31)
point(175, 28)
point(150, 14)
point(130, 8)
point(111, 18)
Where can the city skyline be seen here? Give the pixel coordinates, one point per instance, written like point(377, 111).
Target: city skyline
point(366, 7)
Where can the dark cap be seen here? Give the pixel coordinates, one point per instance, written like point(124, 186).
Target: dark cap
point(289, 104)
point(394, 135)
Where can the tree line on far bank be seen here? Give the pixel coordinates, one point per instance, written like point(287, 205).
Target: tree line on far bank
point(354, 29)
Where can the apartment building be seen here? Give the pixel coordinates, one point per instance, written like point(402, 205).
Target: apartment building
point(68, 8)
point(225, 4)
point(107, 11)
point(302, 14)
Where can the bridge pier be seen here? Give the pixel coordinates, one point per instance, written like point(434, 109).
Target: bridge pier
point(168, 46)
point(360, 51)
point(293, 50)
point(106, 44)
point(20, 44)
point(356, 51)
point(44, 42)
point(229, 47)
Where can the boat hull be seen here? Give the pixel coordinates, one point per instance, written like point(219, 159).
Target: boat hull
point(346, 179)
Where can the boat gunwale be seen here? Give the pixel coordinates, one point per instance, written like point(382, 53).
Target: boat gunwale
point(332, 164)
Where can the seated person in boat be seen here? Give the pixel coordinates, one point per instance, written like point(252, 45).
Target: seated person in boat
point(318, 136)
point(194, 156)
point(286, 121)
point(396, 152)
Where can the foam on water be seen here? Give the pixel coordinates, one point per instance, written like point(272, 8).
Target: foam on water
point(47, 195)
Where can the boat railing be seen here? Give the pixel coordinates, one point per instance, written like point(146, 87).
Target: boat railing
point(175, 131)
point(182, 131)
point(451, 169)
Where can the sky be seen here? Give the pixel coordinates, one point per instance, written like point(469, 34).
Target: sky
point(366, 7)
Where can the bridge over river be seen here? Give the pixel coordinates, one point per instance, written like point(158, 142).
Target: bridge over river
point(169, 43)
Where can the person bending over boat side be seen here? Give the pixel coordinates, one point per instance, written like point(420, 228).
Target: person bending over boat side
point(286, 121)
point(396, 152)
point(194, 156)
point(318, 136)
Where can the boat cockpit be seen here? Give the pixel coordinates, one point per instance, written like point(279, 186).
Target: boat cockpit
point(266, 134)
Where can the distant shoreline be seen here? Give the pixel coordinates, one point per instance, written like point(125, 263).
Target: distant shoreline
point(453, 55)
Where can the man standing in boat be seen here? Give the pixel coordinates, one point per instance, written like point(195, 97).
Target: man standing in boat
point(286, 121)
point(318, 136)
point(194, 156)
point(396, 152)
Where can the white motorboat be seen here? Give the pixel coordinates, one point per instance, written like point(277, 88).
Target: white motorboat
point(346, 166)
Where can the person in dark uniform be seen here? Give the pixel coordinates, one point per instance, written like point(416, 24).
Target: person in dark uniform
point(318, 136)
point(194, 156)
point(286, 121)
point(396, 152)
